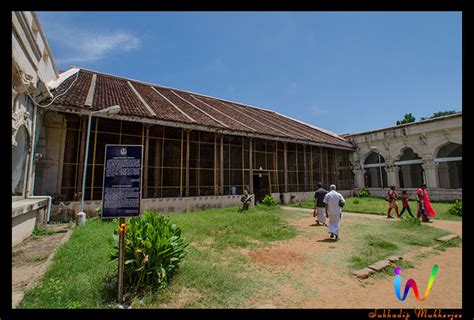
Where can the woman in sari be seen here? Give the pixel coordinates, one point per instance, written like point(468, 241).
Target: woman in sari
point(425, 209)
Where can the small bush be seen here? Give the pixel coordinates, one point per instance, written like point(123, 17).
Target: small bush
point(364, 193)
point(356, 201)
point(456, 209)
point(153, 250)
point(269, 201)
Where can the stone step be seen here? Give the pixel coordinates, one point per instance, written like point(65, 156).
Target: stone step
point(395, 258)
point(448, 237)
point(380, 265)
point(364, 273)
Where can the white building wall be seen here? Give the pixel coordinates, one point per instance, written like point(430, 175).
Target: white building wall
point(425, 138)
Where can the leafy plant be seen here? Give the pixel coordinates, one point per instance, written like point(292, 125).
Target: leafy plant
point(269, 201)
point(407, 118)
point(356, 201)
point(456, 209)
point(364, 193)
point(153, 250)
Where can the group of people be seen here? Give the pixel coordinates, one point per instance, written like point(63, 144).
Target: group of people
point(329, 206)
point(425, 210)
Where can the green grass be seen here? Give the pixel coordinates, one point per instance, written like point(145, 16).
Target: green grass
point(379, 206)
point(374, 240)
point(38, 232)
point(36, 258)
point(82, 277)
point(76, 276)
point(215, 273)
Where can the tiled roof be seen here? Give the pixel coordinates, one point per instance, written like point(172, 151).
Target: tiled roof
point(156, 102)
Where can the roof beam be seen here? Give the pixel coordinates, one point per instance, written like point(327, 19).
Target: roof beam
point(150, 110)
point(90, 94)
point(241, 112)
point(176, 107)
point(217, 110)
point(207, 114)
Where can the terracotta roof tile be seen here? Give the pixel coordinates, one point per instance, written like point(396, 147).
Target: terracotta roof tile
point(184, 107)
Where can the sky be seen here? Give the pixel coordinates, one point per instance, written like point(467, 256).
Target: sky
point(346, 72)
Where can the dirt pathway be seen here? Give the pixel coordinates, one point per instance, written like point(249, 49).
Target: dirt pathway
point(317, 283)
point(31, 258)
point(452, 226)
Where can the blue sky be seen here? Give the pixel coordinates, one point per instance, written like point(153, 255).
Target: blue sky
point(346, 72)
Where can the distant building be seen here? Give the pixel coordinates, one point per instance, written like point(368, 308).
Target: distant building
point(428, 151)
point(32, 68)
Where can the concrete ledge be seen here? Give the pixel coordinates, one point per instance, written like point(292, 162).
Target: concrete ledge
point(27, 205)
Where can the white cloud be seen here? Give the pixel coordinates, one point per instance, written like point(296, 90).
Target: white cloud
point(80, 46)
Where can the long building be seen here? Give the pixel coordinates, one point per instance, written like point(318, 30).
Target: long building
point(194, 145)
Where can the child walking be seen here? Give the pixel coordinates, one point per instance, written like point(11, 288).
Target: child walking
point(405, 204)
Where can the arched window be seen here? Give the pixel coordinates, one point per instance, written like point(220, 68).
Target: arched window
point(411, 171)
point(449, 159)
point(374, 166)
point(19, 161)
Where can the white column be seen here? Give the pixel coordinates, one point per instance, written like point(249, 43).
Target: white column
point(392, 176)
point(359, 173)
point(431, 175)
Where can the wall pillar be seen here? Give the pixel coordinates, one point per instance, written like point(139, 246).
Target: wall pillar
point(392, 175)
point(359, 173)
point(431, 175)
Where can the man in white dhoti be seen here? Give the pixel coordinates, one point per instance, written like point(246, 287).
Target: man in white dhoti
point(334, 202)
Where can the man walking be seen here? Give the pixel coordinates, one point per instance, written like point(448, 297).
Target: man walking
point(334, 202)
point(320, 208)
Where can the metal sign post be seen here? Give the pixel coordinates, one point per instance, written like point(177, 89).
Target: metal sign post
point(121, 263)
point(122, 193)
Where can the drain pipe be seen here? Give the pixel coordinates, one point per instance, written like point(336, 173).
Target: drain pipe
point(32, 174)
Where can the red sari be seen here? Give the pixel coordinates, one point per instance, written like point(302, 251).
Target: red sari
point(430, 212)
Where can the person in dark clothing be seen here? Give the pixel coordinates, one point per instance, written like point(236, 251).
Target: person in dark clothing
point(320, 208)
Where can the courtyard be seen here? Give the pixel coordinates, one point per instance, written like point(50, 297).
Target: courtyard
point(266, 258)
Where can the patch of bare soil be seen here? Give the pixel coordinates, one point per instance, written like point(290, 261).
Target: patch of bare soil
point(30, 260)
point(315, 284)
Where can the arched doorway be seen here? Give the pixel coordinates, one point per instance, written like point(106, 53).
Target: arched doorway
point(449, 159)
point(374, 167)
point(19, 162)
point(410, 174)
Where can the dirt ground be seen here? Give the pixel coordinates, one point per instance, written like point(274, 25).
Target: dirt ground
point(31, 258)
point(328, 285)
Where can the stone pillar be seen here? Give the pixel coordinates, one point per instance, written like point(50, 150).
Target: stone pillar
point(431, 175)
point(359, 173)
point(392, 176)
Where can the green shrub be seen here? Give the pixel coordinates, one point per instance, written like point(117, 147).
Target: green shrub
point(364, 193)
point(153, 250)
point(269, 201)
point(356, 201)
point(456, 209)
